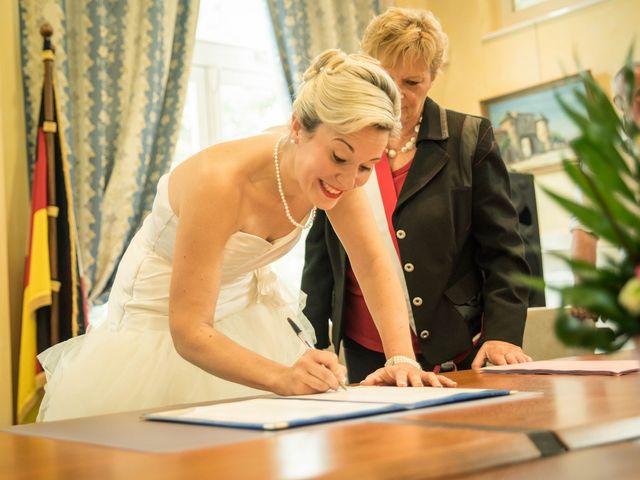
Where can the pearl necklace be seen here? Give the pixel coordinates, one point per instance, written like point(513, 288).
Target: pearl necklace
point(281, 191)
point(410, 145)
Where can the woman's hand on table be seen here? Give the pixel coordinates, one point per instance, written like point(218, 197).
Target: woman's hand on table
point(404, 374)
point(499, 353)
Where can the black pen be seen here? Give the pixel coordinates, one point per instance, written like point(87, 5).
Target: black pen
point(308, 344)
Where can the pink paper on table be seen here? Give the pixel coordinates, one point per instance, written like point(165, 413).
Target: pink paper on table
point(572, 367)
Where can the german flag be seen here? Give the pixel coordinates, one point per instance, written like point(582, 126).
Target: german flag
point(53, 305)
point(37, 287)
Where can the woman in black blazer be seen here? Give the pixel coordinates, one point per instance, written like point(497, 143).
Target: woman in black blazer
point(442, 196)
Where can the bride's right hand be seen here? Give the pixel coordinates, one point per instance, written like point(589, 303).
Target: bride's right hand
point(315, 371)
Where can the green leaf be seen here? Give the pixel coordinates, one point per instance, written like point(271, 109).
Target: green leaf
point(589, 273)
point(598, 300)
point(587, 216)
point(603, 194)
point(573, 331)
point(603, 226)
point(535, 283)
point(578, 118)
point(598, 106)
point(597, 158)
point(601, 160)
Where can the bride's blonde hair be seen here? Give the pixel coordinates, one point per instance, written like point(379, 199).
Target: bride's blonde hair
point(347, 92)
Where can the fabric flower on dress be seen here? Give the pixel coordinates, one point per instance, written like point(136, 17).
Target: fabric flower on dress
point(268, 288)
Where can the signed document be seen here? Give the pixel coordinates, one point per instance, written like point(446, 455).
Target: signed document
point(275, 413)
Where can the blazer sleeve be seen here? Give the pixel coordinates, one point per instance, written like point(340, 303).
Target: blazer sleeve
point(317, 280)
point(500, 251)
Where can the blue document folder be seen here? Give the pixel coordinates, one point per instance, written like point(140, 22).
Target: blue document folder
point(276, 413)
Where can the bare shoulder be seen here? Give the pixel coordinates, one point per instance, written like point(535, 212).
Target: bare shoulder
point(218, 175)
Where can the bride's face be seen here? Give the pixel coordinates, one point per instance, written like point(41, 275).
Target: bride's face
point(328, 164)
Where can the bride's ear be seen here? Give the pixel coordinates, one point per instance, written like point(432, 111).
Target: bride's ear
point(296, 129)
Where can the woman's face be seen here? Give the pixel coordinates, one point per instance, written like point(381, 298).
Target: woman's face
point(328, 163)
point(414, 81)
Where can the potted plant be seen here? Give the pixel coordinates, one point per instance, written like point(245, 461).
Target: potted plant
point(608, 175)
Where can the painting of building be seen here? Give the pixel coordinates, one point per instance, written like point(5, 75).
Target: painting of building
point(530, 126)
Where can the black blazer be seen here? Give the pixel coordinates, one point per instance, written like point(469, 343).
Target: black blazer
point(457, 231)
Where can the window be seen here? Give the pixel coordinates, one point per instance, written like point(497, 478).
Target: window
point(236, 89)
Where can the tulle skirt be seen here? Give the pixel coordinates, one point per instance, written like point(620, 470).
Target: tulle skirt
point(133, 365)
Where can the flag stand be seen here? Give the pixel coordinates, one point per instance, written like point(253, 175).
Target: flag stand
point(49, 127)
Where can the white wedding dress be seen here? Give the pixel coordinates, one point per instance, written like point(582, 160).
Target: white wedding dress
point(129, 361)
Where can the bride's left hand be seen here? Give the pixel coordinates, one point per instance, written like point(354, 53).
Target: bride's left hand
point(404, 375)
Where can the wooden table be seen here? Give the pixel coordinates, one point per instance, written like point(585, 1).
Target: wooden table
point(580, 411)
point(615, 461)
point(361, 450)
point(590, 419)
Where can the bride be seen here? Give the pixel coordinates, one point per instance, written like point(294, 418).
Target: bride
point(195, 314)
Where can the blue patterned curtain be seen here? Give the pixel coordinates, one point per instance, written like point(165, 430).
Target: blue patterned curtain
point(304, 28)
point(121, 68)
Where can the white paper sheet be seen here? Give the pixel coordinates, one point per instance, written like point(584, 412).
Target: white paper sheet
point(573, 367)
point(397, 395)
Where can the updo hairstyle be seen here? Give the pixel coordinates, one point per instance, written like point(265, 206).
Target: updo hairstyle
point(347, 92)
point(406, 34)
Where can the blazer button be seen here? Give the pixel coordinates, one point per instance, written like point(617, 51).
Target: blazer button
point(417, 301)
point(408, 267)
point(424, 334)
point(401, 234)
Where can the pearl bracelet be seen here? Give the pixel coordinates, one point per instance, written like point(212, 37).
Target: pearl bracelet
point(396, 359)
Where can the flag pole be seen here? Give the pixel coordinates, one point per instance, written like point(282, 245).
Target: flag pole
point(50, 127)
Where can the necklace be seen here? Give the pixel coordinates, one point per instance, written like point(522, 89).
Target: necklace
point(281, 191)
point(410, 145)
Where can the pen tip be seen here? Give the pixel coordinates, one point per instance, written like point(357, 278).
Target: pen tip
point(294, 326)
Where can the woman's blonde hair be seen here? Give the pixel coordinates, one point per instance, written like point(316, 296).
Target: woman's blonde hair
point(347, 93)
point(406, 34)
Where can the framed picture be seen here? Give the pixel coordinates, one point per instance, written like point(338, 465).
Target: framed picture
point(513, 14)
point(522, 4)
point(531, 129)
